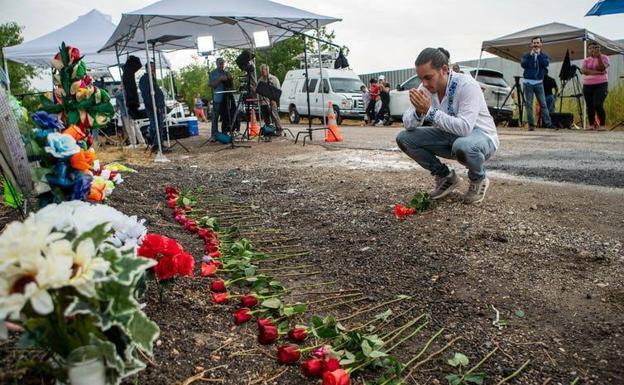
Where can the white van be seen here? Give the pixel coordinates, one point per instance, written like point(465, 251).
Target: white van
point(340, 86)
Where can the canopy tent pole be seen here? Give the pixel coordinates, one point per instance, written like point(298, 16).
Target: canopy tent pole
point(130, 129)
point(479, 63)
point(305, 60)
point(6, 71)
point(322, 86)
point(159, 157)
point(166, 114)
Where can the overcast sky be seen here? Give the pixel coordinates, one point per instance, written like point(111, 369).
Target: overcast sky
point(382, 35)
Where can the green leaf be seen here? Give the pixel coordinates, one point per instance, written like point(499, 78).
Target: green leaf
point(300, 308)
point(78, 306)
point(475, 378)
point(127, 268)
point(366, 348)
point(458, 360)
point(143, 331)
point(288, 311)
point(453, 379)
point(272, 303)
point(250, 271)
point(384, 316)
point(377, 354)
point(97, 234)
point(520, 313)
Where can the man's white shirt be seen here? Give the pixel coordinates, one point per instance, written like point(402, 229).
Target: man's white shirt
point(462, 109)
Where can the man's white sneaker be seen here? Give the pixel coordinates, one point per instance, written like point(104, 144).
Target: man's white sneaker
point(445, 185)
point(476, 191)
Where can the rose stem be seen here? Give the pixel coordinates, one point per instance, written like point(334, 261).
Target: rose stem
point(512, 375)
point(372, 308)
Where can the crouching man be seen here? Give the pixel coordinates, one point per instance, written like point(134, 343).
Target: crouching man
point(461, 126)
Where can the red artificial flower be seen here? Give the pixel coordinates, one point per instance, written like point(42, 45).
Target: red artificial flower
point(330, 364)
point(268, 334)
point(312, 367)
point(172, 202)
point(217, 286)
point(336, 377)
point(166, 268)
point(297, 334)
point(151, 246)
point(249, 300)
point(73, 53)
point(171, 247)
point(401, 211)
point(220, 297)
point(262, 322)
point(208, 269)
point(215, 254)
point(185, 263)
point(241, 316)
point(288, 354)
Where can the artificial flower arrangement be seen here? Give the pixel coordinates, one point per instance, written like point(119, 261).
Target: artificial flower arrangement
point(69, 276)
point(62, 142)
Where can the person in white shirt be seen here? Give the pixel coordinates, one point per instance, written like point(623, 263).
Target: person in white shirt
point(461, 126)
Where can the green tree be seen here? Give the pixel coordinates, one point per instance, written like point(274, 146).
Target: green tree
point(20, 75)
point(192, 80)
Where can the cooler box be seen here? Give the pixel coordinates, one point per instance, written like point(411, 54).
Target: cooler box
point(192, 124)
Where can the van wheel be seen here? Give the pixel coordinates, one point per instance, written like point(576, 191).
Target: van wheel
point(338, 115)
point(293, 115)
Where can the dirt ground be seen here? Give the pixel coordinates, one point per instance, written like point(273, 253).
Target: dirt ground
point(548, 257)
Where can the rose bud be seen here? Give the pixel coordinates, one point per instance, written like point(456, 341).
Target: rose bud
point(288, 354)
point(211, 248)
point(330, 364)
point(215, 254)
point(321, 352)
point(217, 286)
point(262, 322)
point(297, 334)
point(208, 269)
point(336, 377)
point(171, 190)
point(177, 211)
point(268, 334)
point(249, 300)
point(202, 233)
point(312, 367)
point(180, 218)
point(172, 203)
point(220, 297)
point(241, 316)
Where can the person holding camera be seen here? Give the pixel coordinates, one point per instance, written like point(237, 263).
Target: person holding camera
point(268, 107)
point(219, 80)
point(535, 63)
point(595, 85)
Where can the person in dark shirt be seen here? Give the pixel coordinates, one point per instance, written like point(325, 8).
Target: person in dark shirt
point(551, 90)
point(159, 98)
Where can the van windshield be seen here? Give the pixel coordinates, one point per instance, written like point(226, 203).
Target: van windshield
point(351, 86)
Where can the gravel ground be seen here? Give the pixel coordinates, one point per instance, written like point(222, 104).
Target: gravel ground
point(553, 251)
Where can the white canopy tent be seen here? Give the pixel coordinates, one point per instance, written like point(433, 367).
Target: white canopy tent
point(88, 33)
point(177, 24)
point(557, 39)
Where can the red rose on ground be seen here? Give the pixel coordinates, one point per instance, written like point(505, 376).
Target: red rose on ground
point(241, 316)
point(180, 218)
point(249, 300)
point(336, 377)
point(172, 203)
point(185, 263)
point(330, 364)
point(288, 354)
point(262, 322)
point(220, 297)
point(297, 334)
point(166, 268)
point(177, 212)
point(217, 286)
point(211, 248)
point(312, 367)
point(268, 334)
point(171, 190)
point(215, 254)
point(208, 269)
point(401, 211)
point(320, 352)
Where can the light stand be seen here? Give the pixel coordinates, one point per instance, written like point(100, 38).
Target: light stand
point(577, 92)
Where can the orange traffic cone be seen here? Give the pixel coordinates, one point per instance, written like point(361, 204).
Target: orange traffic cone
point(254, 128)
point(333, 133)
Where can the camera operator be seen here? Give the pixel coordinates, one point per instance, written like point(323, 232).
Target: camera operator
point(595, 85)
point(219, 80)
point(269, 107)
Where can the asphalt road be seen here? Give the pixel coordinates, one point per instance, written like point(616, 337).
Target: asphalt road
point(592, 158)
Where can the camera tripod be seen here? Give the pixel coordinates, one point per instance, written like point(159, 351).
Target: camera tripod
point(577, 93)
point(520, 97)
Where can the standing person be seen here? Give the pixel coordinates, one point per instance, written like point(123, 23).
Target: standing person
point(535, 63)
point(595, 85)
point(199, 108)
point(268, 107)
point(373, 94)
point(551, 90)
point(159, 98)
point(134, 134)
point(462, 127)
point(218, 79)
point(365, 99)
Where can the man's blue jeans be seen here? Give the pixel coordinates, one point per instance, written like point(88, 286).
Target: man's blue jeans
point(152, 127)
point(550, 102)
point(424, 144)
point(214, 118)
point(538, 90)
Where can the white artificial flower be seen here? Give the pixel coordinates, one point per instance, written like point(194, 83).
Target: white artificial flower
point(24, 238)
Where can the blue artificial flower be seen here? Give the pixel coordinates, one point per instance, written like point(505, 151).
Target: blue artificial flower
point(61, 146)
point(42, 134)
point(46, 121)
point(82, 186)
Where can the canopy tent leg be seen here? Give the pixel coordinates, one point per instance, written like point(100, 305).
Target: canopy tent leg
point(584, 109)
point(321, 87)
point(479, 64)
point(159, 157)
point(166, 114)
point(6, 71)
point(130, 129)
